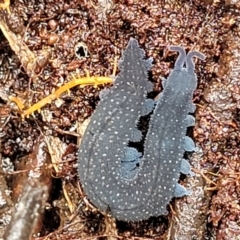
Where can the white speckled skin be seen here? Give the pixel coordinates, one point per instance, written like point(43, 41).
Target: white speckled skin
point(166, 139)
point(105, 141)
point(113, 125)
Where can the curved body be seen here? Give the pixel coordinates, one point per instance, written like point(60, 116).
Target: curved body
point(111, 127)
point(146, 184)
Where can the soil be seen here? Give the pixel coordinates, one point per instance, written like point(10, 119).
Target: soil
point(43, 44)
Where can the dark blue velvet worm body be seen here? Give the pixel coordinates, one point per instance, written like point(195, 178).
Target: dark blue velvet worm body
point(118, 178)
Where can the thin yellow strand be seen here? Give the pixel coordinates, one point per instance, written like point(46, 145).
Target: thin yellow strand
point(6, 5)
point(76, 81)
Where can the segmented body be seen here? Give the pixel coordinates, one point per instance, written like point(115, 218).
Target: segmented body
point(112, 126)
point(136, 193)
point(166, 139)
